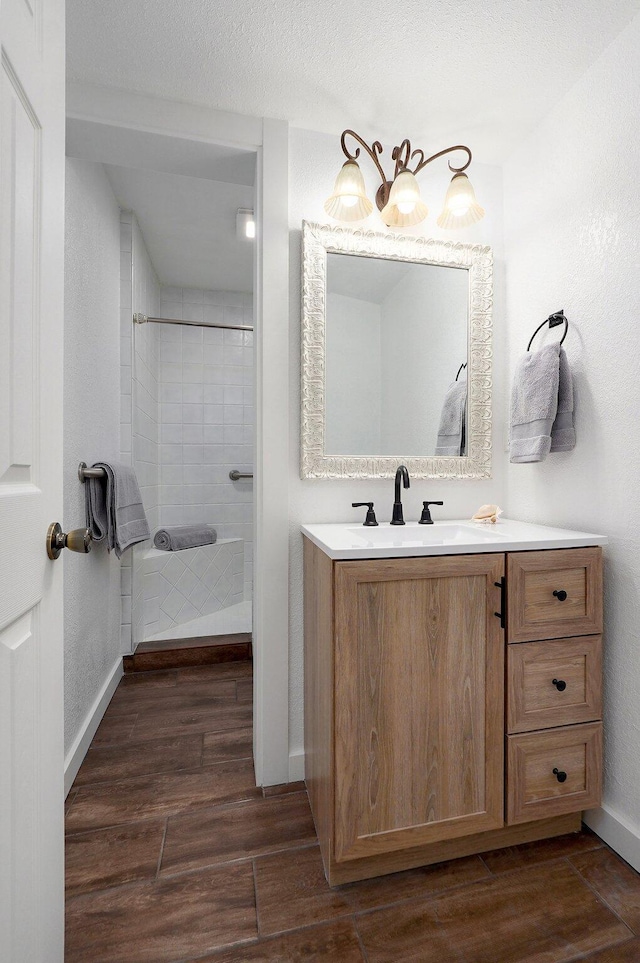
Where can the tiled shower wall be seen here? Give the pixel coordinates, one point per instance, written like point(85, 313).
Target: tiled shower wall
point(140, 293)
point(189, 394)
point(207, 414)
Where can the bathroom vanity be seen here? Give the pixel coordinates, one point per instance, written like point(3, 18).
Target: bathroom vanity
point(452, 689)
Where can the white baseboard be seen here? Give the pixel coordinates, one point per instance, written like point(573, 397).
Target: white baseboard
point(296, 766)
point(81, 743)
point(617, 833)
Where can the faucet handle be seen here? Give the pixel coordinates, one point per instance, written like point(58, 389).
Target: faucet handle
point(370, 520)
point(425, 518)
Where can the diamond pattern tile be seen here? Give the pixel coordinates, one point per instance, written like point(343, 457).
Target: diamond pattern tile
point(191, 583)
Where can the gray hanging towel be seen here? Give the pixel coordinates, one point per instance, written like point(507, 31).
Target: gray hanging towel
point(451, 432)
point(563, 433)
point(177, 537)
point(534, 404)
point(114, 507)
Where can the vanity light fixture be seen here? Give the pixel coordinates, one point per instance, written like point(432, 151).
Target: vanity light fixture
point(245, 224)
point(399, 200)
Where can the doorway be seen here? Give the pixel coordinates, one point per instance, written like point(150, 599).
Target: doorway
point(188, 372)
point(111, 128)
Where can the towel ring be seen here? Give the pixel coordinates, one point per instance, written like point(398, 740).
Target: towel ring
point(553, 321)
point(463, 365)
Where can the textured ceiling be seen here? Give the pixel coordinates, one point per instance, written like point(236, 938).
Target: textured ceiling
point(480, 71)
point(189, 227)
point(185, 195)
point(146, 150)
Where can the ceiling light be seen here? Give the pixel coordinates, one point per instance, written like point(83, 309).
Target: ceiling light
point(398, 200)
point(245, 224)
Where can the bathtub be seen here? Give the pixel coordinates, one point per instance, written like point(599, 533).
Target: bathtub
point(175, 589)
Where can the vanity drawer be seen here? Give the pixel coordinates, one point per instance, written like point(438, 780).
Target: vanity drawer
point(554, 594)
point(535, 790)
point(554, 683)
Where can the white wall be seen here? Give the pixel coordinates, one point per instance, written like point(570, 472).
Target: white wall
point(314, 161)
point(91, 430)
point(573, 241)
point(352, 376)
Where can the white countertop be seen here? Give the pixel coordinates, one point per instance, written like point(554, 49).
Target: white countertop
point(445, 537)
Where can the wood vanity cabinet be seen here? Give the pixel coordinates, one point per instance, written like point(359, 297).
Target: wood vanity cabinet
point(430, 731)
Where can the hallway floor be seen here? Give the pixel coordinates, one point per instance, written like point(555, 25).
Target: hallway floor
point(174, 855)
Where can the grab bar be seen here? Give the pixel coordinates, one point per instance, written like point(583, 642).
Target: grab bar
point(84, 472)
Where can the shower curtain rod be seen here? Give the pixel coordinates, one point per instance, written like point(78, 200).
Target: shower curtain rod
point(142, 319)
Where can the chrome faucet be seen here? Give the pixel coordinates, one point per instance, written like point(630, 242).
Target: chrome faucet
point(398, 517)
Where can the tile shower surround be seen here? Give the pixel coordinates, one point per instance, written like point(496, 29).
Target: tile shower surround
point(192, 407)
point(207, 414)
point(181, 586)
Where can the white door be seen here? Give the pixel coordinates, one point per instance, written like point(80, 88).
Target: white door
point(31, 286)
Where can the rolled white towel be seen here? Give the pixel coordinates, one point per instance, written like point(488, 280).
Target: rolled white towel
point(178, 537)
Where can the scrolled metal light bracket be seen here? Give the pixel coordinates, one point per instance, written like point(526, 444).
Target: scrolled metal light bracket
point(403, 156)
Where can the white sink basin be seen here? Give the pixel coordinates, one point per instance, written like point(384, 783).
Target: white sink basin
point(419, 535)
point(456, 537)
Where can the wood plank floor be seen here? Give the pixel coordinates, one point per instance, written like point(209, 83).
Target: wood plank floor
point(174, 856)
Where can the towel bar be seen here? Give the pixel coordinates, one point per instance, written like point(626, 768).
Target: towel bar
point(553, 321)
point(84, 472)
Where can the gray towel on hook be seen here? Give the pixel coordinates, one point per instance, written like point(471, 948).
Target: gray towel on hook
point(563, 433)
point(451, 432)
point(178, 537)
point(114, 507)
point(534, 404)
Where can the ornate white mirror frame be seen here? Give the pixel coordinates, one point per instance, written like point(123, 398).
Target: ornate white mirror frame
point(318, 240)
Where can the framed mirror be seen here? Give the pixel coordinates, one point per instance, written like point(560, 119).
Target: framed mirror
point(396, 355)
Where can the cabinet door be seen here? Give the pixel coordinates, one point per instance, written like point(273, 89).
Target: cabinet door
point(419, 712)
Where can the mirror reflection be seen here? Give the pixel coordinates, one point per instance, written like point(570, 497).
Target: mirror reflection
point(395, 357)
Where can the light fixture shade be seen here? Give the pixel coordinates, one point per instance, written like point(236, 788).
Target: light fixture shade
point(349, 201)
point(404, 206)
point(461, 208)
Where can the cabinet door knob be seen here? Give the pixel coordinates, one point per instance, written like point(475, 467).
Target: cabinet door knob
point(560, 684)
point(559, 774)
point(560, 595)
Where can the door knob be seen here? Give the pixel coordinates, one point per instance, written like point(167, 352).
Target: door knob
point(78, 540)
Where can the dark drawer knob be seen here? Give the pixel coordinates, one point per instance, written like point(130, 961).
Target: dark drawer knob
point(560, 684)
point(560, 775)
point(560, 595)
